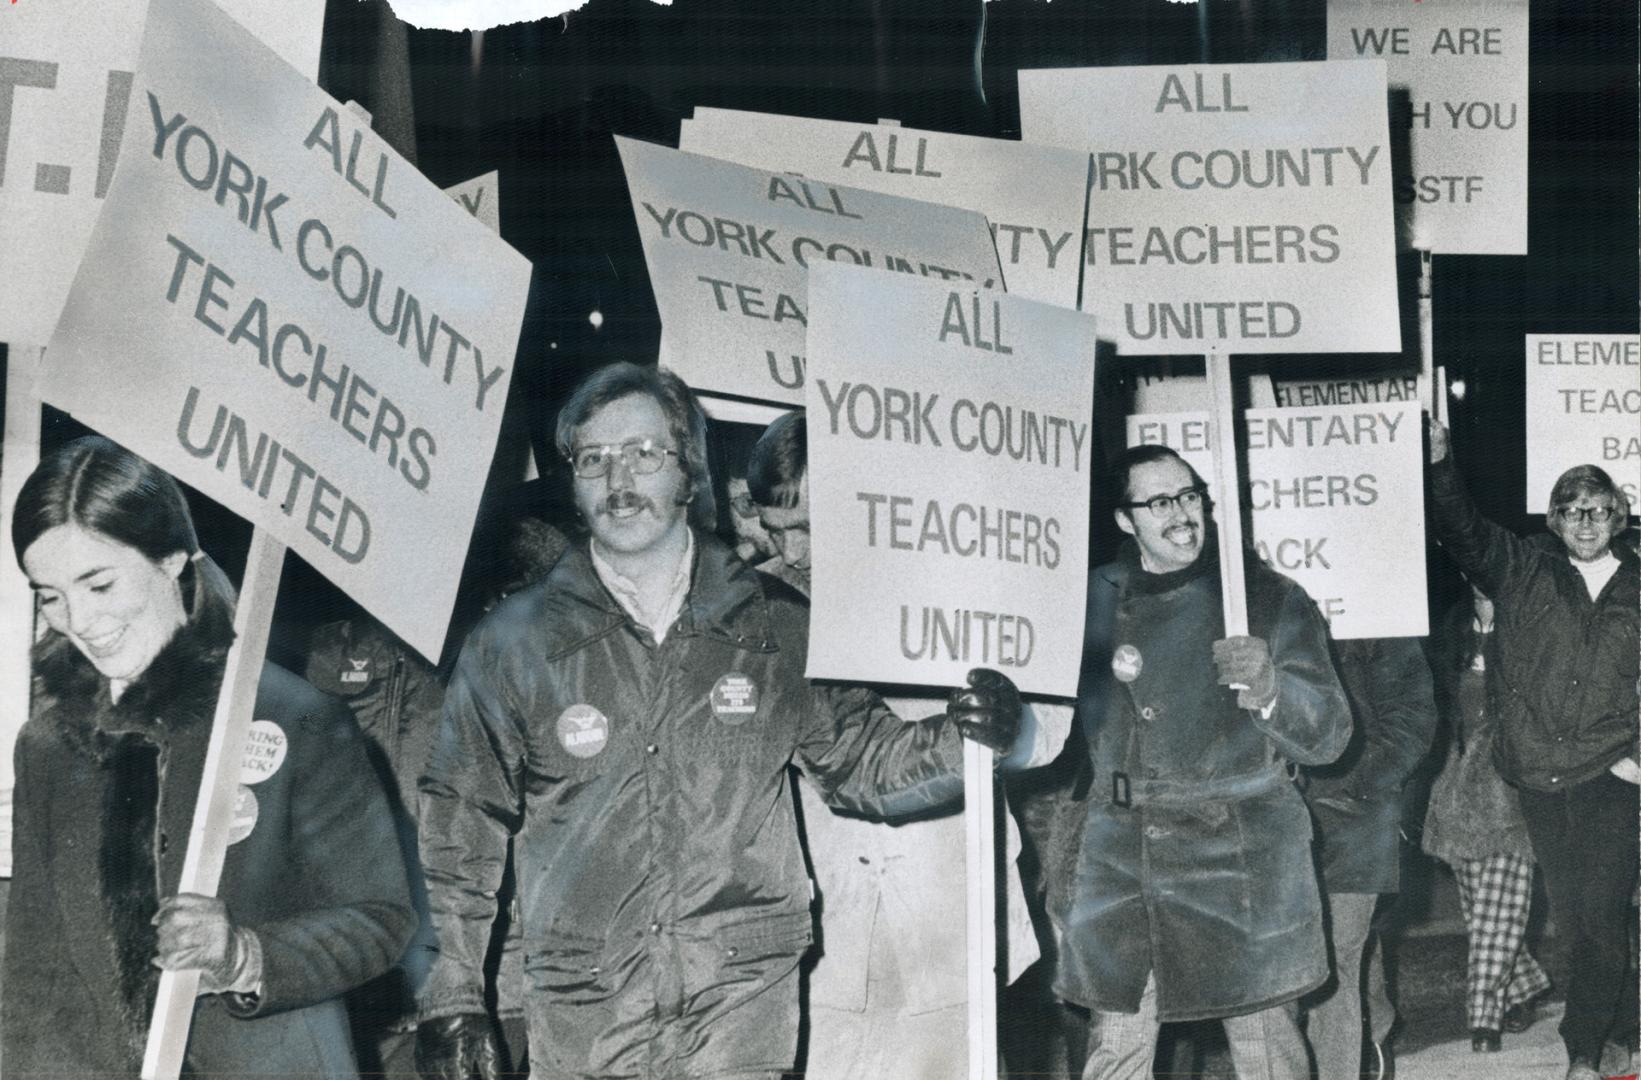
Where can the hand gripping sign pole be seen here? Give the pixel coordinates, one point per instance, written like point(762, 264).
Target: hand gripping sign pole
point(213, 811)
point(1427, 334)
point(980, 858)
point(22, 454)
point(1227, 503)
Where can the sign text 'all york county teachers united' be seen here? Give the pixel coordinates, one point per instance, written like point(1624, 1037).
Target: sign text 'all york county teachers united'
point(1033, 196)
point(1234, 208)
point(1336, 496)
point(949, 447)
point(283, 313)
point(1458, 79)
point(1583, 408)
point(729, 247)
point(65, 84)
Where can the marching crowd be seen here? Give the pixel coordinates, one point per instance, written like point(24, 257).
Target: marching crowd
point(590, 855)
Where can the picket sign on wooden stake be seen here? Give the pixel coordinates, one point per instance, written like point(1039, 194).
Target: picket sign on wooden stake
point(1222, 434)
point(21, 455)
point(1427, 335)
point(980, 833)
point(214, 809)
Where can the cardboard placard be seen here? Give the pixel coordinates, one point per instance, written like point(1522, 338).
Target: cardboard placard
point(65, 83)
point(949, 448)
point(1165, 393)
point(480, 197)
point(1337, 503)
point(1239, 208)
point(1583, 408)
point(729, 247)
point(1373, 389)
point(1463, 67)
point(1033, 196)
point(283, 313)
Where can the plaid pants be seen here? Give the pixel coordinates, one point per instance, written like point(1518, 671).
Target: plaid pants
point(1495, 894)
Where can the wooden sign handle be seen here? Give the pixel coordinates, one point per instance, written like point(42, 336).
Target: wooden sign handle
point(980, 856)
point(1227, 492)
point(21, 455)
point(213, 812)
point(1427, 336)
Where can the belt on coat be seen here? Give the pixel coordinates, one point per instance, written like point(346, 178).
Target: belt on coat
point(1126, 791)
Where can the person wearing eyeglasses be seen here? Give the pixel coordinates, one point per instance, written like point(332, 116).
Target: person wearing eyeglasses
point(629, 721)
point(1567, 607)
point(1194, 894)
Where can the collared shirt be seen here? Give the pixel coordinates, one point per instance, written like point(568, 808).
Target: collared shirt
point(625, 590)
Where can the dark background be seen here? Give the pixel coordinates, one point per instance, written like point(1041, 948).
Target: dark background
point(539, 101)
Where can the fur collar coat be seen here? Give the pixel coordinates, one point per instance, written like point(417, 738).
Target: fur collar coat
point(104, 801)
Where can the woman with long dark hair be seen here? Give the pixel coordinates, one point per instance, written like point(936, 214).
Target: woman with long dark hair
point(313, 897)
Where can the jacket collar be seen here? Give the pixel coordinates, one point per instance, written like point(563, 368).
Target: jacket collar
point(179, 687)
point(1126, 570)
point(725, 601)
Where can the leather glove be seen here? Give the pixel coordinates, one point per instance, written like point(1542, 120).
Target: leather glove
point(459, 1047)
point(1245, 664)
point(987, 710)
point(196, 932)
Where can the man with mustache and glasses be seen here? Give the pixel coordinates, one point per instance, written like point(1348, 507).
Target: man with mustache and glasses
point(1194, 894)
point(628, 721)
point(1563, 691)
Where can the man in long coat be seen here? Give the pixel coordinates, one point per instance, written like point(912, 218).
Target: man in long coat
point(1194, 894)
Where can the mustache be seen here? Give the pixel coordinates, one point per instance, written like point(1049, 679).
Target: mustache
point(625, 500)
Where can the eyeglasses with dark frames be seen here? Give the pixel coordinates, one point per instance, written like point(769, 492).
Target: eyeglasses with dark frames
point(1163, 505)
point(1574, 514)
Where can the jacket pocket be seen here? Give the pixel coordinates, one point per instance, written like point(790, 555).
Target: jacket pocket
point(740, 958)
point(572, 968)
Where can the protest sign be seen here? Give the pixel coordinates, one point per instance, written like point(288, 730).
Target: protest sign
point(729, 247)
point(17, 463)
point(1462, 65)
point(283, 313)
point(949, 454)
point(65, 82)
point(1165, 392)
point(1034, 196)
point(1583, 408)
point(1237, 208)
point(1336, 495)
point(1373, 389)
point(478, 197)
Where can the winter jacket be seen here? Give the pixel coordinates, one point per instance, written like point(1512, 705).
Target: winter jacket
point(105, 800)
point(662, 889)
point(1195, 853)
point(398, 698)
point(1564, 692)
point(1356, 801)
point(1473, 813)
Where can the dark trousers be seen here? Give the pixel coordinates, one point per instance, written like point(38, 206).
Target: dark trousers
point(1584, 840)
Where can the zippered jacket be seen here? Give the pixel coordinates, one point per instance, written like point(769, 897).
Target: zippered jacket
point(660, 878)
point(1564, 689)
